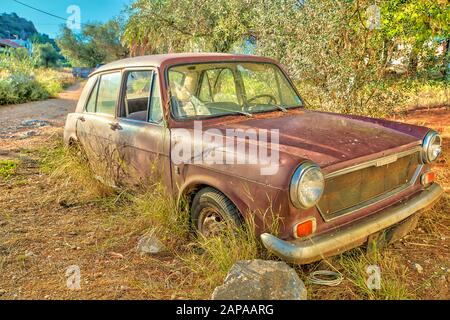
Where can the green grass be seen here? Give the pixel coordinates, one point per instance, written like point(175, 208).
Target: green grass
point(393, 275)
point(8, 168)
point(199, 264)
point(70, 164)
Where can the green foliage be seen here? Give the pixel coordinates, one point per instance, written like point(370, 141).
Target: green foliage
point(8, 168)
point(338, 62)
point(45, 55)
point(97, 44)
point(40, 38)
point(187, 25)
point(414, 23)
point(21, 81)
point(20, 88)
point(12, 24)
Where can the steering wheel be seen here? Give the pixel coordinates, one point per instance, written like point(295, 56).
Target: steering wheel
point(271, 98)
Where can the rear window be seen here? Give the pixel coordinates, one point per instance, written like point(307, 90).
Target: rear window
point(108, 93)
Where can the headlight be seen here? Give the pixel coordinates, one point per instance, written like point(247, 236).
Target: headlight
point(307, 186)
point(431, 147)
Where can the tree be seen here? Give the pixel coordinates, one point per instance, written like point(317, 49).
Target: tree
point(97, 44)
point(45, 55)
point(157, 26)
point(415, 23)
point(42, 38)
point(330, 49)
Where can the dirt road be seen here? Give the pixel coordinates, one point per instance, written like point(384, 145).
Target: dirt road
point(53, 111)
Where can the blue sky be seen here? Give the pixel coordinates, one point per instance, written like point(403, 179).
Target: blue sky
point(91, 11)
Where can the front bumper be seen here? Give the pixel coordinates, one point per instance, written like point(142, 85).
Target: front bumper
point(315, 248)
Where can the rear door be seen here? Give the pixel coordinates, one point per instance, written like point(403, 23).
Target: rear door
point(97, 127)
point(144, 138)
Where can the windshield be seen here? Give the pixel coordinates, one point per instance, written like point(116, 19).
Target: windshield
point(216, 89)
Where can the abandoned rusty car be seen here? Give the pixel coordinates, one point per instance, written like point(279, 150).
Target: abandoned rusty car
point(330, 181)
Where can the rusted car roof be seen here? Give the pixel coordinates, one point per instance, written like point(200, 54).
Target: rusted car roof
point(162, 60)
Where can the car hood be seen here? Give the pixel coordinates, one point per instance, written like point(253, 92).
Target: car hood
point(327, 138)
point(332, 141)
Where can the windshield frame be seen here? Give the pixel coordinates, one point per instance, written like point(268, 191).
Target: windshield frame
point(235, 61)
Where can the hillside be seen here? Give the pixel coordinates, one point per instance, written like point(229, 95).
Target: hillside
point(12, 24)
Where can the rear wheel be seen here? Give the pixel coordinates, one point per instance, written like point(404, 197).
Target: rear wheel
point(212, 213)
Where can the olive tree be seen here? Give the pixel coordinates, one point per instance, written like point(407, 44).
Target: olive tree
point(335, 51)
point(157, 26)
point(97, 43)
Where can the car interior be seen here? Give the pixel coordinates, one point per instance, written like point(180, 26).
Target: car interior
point(227, 88)
point(137, 95)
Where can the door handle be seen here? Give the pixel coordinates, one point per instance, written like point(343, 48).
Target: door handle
point(82, 119)
point(115, 126)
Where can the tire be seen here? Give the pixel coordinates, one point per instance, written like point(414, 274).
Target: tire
point(208, 206)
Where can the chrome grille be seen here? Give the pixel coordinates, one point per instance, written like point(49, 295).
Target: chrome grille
point(352, 190)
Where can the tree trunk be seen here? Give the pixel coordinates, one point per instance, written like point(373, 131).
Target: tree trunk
point(413, 62)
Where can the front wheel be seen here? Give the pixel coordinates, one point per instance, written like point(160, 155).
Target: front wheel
point(212, 213)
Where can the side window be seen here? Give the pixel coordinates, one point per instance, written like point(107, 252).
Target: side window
point(156, 114)
point(137, 95)
point(90, 106)
point(108, 93)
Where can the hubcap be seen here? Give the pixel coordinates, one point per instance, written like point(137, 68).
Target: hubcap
point(211, 222)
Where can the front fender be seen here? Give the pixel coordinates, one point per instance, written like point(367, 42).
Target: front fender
point(251, 198)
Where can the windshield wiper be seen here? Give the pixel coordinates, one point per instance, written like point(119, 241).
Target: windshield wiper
point(280, 107)
point(235, 111)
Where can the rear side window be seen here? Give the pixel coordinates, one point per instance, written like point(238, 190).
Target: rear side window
point(108, 93)
point(90, 106)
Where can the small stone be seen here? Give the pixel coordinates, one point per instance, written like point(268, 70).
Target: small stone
point(116, 255)
point(29, 254)
point(150, 244)
point(418, 267)
point(125, 288)
point(2, 292)
point(28, 134)
point(35, 123)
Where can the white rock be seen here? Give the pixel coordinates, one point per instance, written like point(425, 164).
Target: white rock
point(150, 243)
point(418, 267)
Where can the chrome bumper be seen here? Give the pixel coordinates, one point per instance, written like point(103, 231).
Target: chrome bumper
point(308, 250)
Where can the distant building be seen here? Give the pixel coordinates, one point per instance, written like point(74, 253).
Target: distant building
point(16, 43)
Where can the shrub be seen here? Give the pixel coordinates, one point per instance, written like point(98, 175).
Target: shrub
point(54, 81)
point(21, 82)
